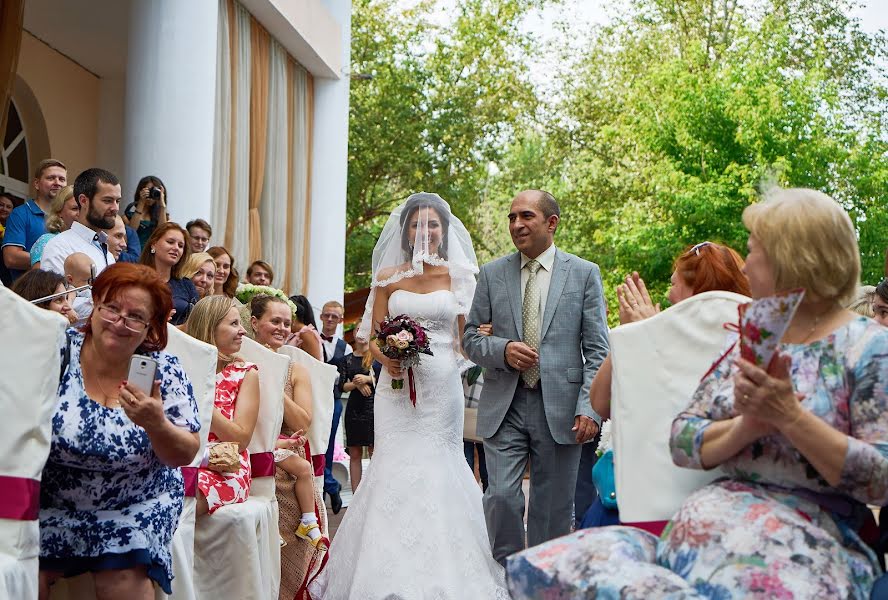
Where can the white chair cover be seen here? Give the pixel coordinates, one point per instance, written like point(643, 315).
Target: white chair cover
point(323, 378)
point(199, 362)
point(237, 548)
point(30, 338)
point(657, 365)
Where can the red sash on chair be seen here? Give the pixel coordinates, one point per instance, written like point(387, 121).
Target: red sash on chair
point(262, 464)
point(19, 498)
point(189, 475)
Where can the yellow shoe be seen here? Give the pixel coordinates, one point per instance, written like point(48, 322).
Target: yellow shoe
point(302, 532)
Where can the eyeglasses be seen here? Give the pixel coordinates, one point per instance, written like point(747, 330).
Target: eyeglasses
point(109, 315)
point(696, 249)
point(331, 317)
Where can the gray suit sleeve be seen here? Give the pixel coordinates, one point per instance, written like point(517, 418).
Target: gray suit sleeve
point(487, 351)
point(595, 342)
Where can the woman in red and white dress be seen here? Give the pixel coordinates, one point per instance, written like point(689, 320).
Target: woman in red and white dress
point(216, 321)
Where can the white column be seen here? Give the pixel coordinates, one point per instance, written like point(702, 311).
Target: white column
point(329, 169)
point(170, 101)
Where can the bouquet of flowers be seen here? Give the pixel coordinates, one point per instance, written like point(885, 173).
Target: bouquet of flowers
point(402, 338)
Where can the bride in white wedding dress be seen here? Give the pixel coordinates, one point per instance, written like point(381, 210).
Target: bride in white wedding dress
point(415, 528)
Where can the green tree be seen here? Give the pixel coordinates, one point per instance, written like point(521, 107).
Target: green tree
point(437, 111)
point(678, 112)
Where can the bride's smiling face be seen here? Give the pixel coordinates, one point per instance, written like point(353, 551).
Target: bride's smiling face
point(426, 222)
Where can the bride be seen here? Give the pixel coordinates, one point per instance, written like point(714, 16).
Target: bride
point(415, 529)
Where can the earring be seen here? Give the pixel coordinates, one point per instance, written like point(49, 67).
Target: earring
point(153, 251)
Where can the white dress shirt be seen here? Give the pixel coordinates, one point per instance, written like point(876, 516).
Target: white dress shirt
point(544, 276)
point(79, 238)
point(330, 347)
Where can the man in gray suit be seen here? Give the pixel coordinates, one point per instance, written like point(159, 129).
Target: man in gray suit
point(549, 337)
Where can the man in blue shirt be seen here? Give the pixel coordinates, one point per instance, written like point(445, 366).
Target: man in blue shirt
point(133, 246)
point(25, 224)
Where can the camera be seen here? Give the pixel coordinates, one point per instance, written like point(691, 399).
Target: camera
point(154, 193)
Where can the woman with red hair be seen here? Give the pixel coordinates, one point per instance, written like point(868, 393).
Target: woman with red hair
point(704, 267)
point(111, 491)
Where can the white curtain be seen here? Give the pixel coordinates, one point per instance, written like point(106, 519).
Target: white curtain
point(273, 208)
point(239, 193)
point(300, 146)
point(222, 135)
point(283, 210)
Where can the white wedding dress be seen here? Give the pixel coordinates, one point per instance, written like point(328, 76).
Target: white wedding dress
point(415, 528)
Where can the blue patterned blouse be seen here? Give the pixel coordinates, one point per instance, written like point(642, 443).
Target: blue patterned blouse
point(106, 499)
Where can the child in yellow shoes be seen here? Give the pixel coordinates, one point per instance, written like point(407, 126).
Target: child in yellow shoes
point(301, 469)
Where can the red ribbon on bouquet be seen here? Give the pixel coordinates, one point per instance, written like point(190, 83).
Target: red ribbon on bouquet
point(412, 385)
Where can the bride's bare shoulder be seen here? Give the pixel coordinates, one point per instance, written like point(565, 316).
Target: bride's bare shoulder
point(389, 272)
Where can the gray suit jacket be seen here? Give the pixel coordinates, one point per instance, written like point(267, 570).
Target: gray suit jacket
point(573, 341)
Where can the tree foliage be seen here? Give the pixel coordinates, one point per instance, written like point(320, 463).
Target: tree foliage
point(667, 124)
point(441, 102)
point(681, 112)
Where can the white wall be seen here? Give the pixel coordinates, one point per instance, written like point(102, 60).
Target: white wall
point(329, 171)
point(170, 100)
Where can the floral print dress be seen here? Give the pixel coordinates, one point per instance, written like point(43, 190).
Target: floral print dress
point(774, 528)
point(106, 500)
point(227, 488)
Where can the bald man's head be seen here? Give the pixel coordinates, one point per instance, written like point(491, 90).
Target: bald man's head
point(78, 268)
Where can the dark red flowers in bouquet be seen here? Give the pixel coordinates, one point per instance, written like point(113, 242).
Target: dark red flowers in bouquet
point(402, 338)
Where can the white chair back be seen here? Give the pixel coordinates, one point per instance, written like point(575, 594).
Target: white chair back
point(273, 372)
point(657, 366)
point(198, 359)
point(323, 378)
point(31, 338)
point(237, 548)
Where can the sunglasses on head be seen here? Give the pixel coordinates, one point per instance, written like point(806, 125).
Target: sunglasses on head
point(696, 249)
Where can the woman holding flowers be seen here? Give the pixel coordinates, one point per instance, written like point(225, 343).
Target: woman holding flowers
point(416, 527)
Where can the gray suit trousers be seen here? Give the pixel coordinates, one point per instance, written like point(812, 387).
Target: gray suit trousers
point(524, 433)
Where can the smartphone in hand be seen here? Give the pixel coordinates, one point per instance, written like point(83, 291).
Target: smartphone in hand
point(142, 371)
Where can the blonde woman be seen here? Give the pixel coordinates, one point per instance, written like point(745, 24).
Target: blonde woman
point(216, 321)
point(802, 443)
point(863, 302)
point(201, 269)
point(62, 212)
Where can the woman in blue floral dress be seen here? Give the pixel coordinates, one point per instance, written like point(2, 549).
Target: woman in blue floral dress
point(804, 445)
point(111, 494)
